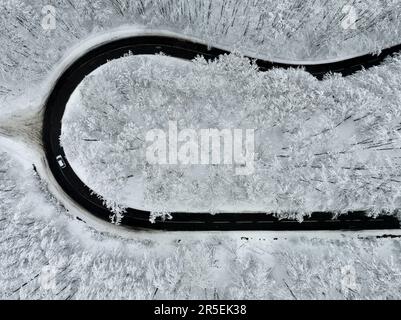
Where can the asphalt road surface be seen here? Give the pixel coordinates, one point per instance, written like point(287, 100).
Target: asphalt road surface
point(139, 45)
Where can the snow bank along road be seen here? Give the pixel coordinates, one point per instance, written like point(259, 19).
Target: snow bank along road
point(184, 49)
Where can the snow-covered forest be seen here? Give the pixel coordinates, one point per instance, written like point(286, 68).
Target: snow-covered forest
point(300, 29)
point(44, 254)
point(332, 145)
point(340, 134)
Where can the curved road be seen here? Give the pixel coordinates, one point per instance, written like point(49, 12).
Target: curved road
point(80, 193)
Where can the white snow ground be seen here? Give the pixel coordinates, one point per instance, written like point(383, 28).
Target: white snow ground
point(46, 253)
